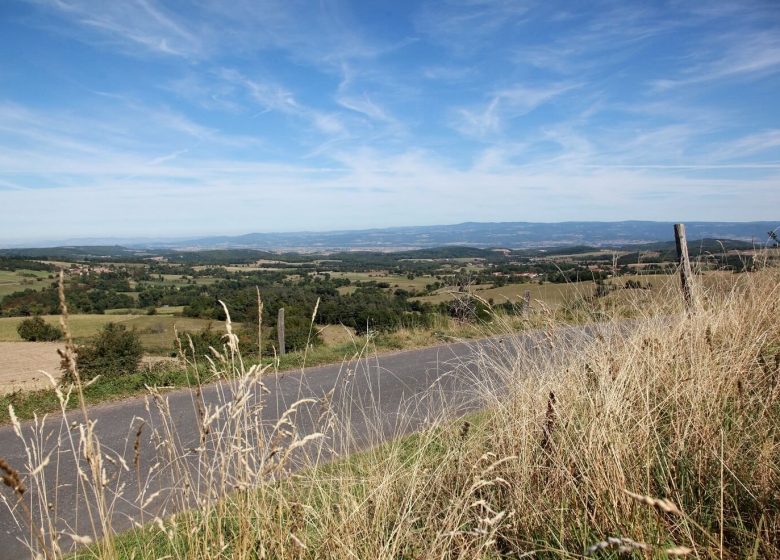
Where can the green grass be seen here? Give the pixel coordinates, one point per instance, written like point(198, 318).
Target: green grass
point(174, 280)
point(28, 403)
point(170, 310)
point(395, 280)
point(81, 325)
point(18, 280)
point(156, 331)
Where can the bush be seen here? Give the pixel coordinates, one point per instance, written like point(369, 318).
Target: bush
point(208, 337)
point(298, 332)
point(201, 341)
point(36, 329)
point(113, 351)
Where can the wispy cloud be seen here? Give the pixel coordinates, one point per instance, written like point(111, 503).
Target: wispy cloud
point(352, 96)
point(737, 56)
point(505, 105)
point(474, 109)
point(167, 157)
point(130, 24)
point(765, 142)
point(471, 24)
point(273, 97)
point(448, 73)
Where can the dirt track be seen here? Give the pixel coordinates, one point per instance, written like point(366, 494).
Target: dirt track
point(21, 362)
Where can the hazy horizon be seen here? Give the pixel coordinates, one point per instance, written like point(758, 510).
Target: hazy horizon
point(158, 120)
point(445, 233)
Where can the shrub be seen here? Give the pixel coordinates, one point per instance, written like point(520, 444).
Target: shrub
point(36, 329)
point(298, 332)
point(113, 351)
point(201, 341)
point(209, 337)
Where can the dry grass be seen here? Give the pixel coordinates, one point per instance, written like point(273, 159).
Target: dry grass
point(336, 334)
point(549, 295)
point(655, 438)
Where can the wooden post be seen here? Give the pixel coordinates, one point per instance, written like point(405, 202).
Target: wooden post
point(686, 276)
point(259, 325)
point(280, 330)
point(526, 302)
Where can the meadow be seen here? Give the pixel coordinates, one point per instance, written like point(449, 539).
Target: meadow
point(156, 331)
point(395, 280)
point(13, 281)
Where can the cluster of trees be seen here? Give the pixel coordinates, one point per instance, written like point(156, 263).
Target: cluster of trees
point(14, 263)
point(80, 297)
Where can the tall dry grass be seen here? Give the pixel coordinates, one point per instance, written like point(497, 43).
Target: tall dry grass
point(657, 437)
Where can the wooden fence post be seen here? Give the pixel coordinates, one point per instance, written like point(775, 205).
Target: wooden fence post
point(280, 330)
point(259, 326)
point(686, 275)
point(526, 302)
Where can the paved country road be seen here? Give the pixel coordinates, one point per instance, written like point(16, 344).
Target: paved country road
point(376, 398)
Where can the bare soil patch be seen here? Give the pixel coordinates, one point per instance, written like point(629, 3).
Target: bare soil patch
point(21, 362)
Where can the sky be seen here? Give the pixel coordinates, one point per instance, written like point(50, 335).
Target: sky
point(149, 118)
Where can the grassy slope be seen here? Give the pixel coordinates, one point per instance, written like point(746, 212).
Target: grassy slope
point(662, 442)
point(557, 295)
point(20, 280)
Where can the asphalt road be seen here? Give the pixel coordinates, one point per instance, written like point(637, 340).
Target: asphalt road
point(375, 399)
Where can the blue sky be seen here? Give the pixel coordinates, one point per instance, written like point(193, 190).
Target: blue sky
point(147, 118)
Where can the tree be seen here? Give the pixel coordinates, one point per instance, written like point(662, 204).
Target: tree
point(36, 329)
point(114, 351)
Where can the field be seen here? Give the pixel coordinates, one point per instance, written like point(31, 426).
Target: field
point(396, 281)
point(333, 335)
point(156, 331)
point(22, 280)
point(21, 362)
point(551, 295)
point(174, 280)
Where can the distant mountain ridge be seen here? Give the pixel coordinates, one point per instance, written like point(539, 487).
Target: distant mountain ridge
point(481, 235)
point(487, 234)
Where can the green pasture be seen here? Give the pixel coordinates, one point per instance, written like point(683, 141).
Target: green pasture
point(156, 331)
point(418, 283)
point(18, 280)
